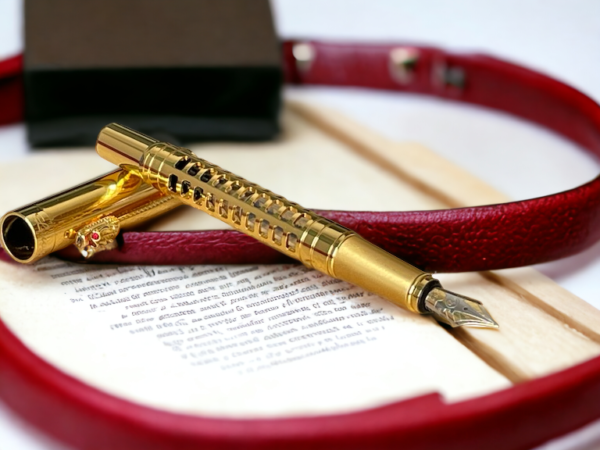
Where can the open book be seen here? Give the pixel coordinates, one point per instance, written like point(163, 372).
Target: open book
point(255, 341)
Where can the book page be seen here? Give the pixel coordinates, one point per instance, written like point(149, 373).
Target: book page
point(238, 341)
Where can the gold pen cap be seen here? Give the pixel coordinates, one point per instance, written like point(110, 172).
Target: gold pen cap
point(89, 215)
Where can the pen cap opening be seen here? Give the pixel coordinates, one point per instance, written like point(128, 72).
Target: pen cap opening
point(18, 238)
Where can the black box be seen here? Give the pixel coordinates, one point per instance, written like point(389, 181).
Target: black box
point(193, 69)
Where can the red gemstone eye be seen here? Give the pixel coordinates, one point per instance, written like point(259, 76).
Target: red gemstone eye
point(95, 235)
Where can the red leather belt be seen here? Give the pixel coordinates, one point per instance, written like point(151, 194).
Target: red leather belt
point(452, 240)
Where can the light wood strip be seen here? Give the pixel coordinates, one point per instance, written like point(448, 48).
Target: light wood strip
point(545, 294)
point(414, 163)
point(530, 343)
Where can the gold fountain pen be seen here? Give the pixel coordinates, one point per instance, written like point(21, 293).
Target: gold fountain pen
point(301, 234)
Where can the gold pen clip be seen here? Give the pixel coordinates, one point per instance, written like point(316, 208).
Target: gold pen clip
point(98, 236)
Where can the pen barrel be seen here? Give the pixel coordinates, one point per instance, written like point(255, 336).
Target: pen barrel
point(38, 229)
point(299, 233)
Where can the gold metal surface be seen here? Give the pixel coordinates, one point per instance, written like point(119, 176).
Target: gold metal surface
point(396, 280)
point(38, 229)
point(301, 234)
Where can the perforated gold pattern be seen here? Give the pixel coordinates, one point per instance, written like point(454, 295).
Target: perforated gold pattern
point(245, 206)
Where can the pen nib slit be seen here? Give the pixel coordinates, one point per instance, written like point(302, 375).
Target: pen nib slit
point(457, 310)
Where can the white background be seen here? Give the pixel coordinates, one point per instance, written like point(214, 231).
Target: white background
point(560, 38)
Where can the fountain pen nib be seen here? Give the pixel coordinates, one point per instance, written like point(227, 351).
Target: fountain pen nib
point(458, 310)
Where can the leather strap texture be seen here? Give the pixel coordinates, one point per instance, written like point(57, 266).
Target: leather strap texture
point(451, 240)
